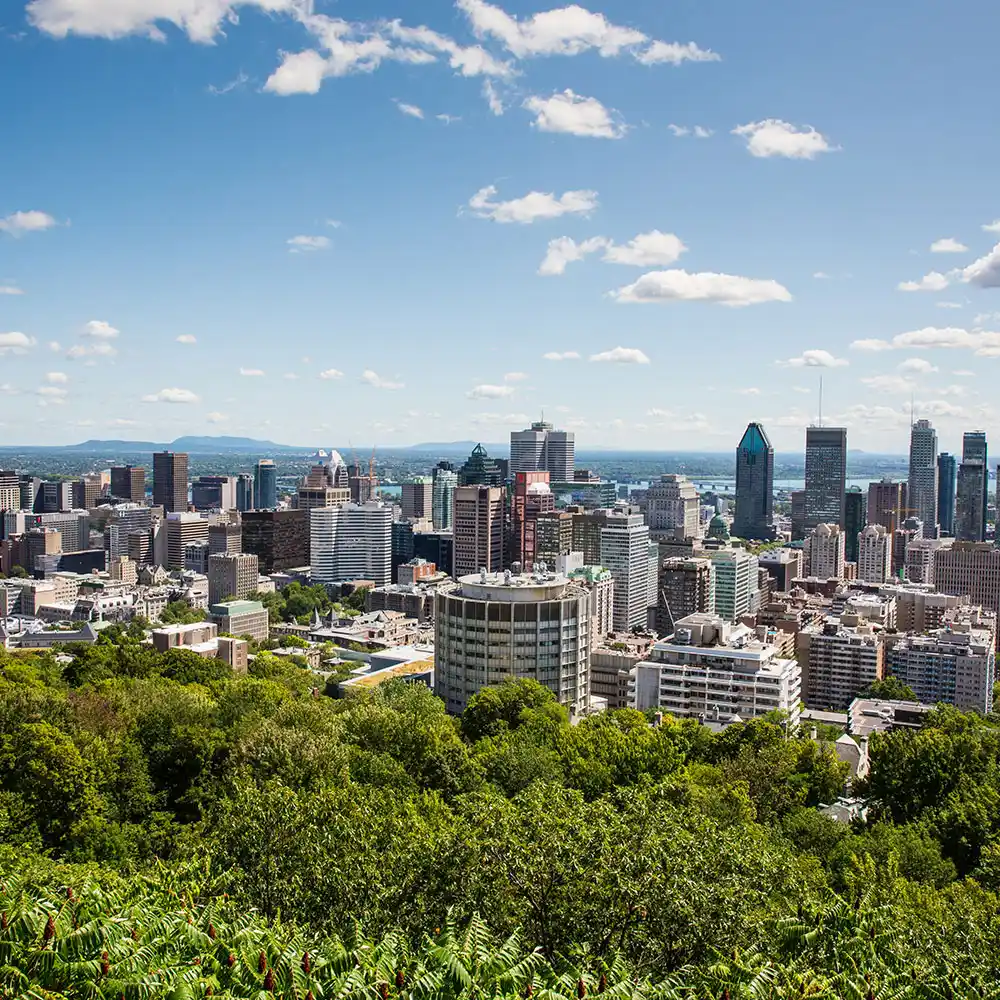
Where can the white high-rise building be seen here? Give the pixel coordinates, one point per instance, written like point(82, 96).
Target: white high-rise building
point(712, 670)
point(231, 576)
point(672, 508)
point(824, 552)
point(840, 657)
point(625, 551)
point(352, 542)
point(874, 554)
point(922, 490)
point(736, 589)
point(541, 448)
point(496, 626)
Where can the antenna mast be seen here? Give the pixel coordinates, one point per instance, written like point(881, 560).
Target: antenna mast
point(820, 401)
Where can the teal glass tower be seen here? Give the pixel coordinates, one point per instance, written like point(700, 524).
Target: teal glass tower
point(754, 486)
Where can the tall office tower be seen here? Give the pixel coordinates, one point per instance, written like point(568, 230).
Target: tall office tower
point(417, 498)
point(353, 542)
point(887, 503)
point(972, 489)
point(128, 482)
point(444, 481)
point(922, 486)
point(87, 490)
point(754, 485)
point(947, 484)
point(328, 484)
point(798, 505)
point(480, 470)
point(874, 554)
point(685, 586)
point(214, 493)
point(531, 497)
point(265, 485)
point(231, 576)
point(625, 551)
point(969, 523)
point(170, 480)
point(736, 588)
point(673, 508)
point(553, 536)
point(225, 538)
point(855, 518)
point(54, 498)
point(493, 627)
point(478, 530)
point(244, 492)
point(824, 552)
point(826, 475)
point(183, 528)
point(30, 486)
point(115, 541)
point(587, 525)
point(10, 490)
point(278, 538)
point(543, 449)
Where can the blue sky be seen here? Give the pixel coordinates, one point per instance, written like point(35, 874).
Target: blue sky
point(206, 207)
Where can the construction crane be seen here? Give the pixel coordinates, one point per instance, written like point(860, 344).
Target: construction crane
point(372, 481)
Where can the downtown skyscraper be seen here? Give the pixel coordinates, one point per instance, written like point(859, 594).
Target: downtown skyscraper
point(947, 480)
point(754, 485)
point(972, 488)
point(170, 481)
point(922, 487)
point(541, 448)
point(826, 475)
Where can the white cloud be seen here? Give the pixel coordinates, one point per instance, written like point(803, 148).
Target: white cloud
point(330, 373)
point(533, 206)
point(621, 356)
point(964, 373)
point(10, 290)
point(920, 366)
point(871, 344)
point(493, 99)
point(893, 384)
point(561, 356)
point(575, 115)
point(676, 53)
point(949, 305)
point(565, 250)
point(490, 392)
point(773, 137)
point(448, 119)
point(239, 81)
point(291, 376)
point(187, 338)
point(679, 130)
point(520, 419)
point(410, 109)
point(652, 249)
point(53, 394)
point(54, 345)
point(98, 348)
point(680, 286)
point(515, 376)
point(953, 390)
point(992, 227)
point(251, 372)
point(57, 378)
point(814, 359)
point(984, 343)
point(645, 250)
point(984, 272)
point(571, 30)
point(373, 379)
point(299, 73)
point(334, 223)
point(749, 391)
point(307, 244)
point(19, 223)
point(700, 132)
point(216, 418)
point(100, 329)
point(932, 282)
point(171, 396)
point(948, 245)
point(472, 60)
point(15, 343)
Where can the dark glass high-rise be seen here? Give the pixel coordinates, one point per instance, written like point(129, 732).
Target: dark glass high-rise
point(754, 485)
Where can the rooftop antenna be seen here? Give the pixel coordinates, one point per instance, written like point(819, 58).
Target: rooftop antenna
point(820, 424)
point(911, 409)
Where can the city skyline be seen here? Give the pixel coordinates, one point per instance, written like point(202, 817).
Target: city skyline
point(525, 207)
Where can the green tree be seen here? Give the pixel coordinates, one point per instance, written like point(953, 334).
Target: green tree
point(888, 689)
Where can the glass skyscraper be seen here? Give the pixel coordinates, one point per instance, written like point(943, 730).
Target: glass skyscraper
point(972, 488)
point(754, 485)
point(855, 518)
point(265, 485)
point(826, 476)
point(947, 473)
point(922, 488)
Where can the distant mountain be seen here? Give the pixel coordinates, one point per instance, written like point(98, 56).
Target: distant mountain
point(210, 445)
point(454, 447)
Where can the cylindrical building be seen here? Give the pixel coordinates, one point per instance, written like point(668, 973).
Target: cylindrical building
point(496, 626)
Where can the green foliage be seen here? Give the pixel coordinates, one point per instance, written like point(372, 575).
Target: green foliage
point(889, 689)
point(181, 613)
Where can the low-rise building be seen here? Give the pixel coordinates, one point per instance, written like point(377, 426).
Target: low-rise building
point(240, 618)
point(717, 672)
point(611, 662)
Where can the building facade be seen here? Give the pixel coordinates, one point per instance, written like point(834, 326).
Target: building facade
point(855, 518)
point(496, 626)
point(170, 480)
point(128, 482)
point(736, 591)
point(231, 576)
point(444, 484)
point(874, 554)
point(265, 485)
point(278, 538)
point(673, 508)
point(922, 486)
point(825, 552)
point(417, 498)
point(625, 551)
point(947, 485)
point(352, 542)
point(970, 569)
point(825, 475)
point(478, 530)
point(685, 587)
point(839, 657)
point(541, 448)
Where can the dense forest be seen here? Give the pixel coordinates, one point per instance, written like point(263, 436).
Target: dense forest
point(172, 830)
